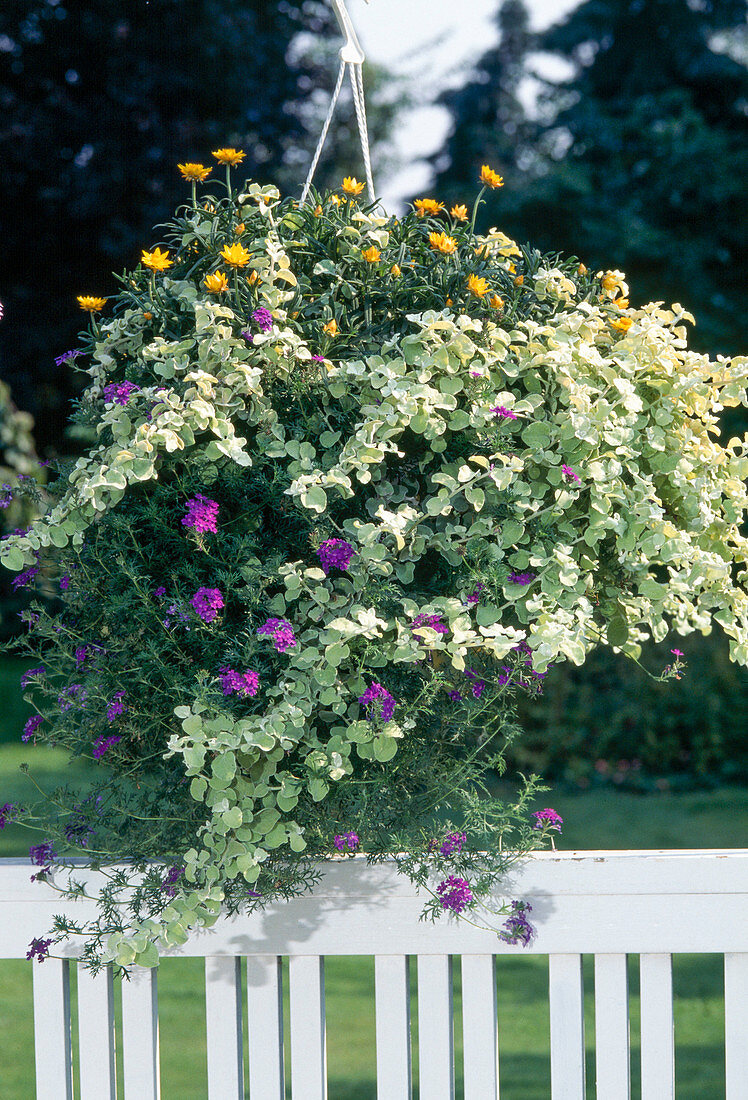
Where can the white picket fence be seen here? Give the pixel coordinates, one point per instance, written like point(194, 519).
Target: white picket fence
point(609, 904)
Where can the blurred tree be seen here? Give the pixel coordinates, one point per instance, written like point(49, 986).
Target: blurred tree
point(99, 100)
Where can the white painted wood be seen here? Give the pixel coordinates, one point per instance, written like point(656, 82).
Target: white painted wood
point(657, 1038)
point(265, 1013)
point(140, 1035)
point(223, 1018)
point(98, 1079)
point(612, 1062)
point(736, 1025)
point(566, 995)
point(480, 1037)
point(394, 1073)
point(54, 1075)
point(436, 1068)
point(306, 979)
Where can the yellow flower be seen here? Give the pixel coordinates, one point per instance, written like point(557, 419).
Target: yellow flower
point(351, 186)
point(336, 200)
point(620, 303)
point(90, 304)
point(489, 178)
point(449, 302)
point(496, 302)
point(477, 286)
point(372, 255)
point(147, 316)
point(235, 255)
point(156, 260)
point(519, 280)
point(331, 327)
point(318, 211)
point(428, 206)
point(440, 242)
point(621, 324)
point(512, 269)
point(252, 278)
point(581, 270)
point(459, 212)
point(195, 173)
point(240, 229)
point(229, 156)
point(611, 280)
point(395, 271)
point(216, 283)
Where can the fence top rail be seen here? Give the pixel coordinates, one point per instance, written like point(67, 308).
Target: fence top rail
point(583, 901)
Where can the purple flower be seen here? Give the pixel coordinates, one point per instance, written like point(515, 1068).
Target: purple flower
point(81, 653)
point(432, 621)
point(32, 672)
point(207, 602)
point(26, 577)
point(104, 744)
point(248, 336)
point(281, 631)
point(453, 843)
point(65, 582)
point(547, 819)
point(503, 413)
point(42, 854)
point(263, 318)
point(455, 695)
point(477, 685)
point(32, 725)
point(6, 495)
point(202, 514)
point(676, 652)
point(72, 693)
point(39, 949)
point(475, 595)
point(517, 928)
point(169, 883)
point(245, 683)
point(521, 578)
point(335, 553)
point(67, 356)
point(115, 707)
point(346, 842)
point(119, 393)
point(78, 831)
point(378, 702)
point(159, 592)
point(318, 358)
point(569, 474)
point(8, 814)
point(454, 893)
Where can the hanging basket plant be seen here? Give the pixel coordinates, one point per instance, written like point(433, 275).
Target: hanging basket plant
point(358, 482)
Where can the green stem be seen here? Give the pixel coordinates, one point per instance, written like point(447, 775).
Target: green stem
point(476, 204)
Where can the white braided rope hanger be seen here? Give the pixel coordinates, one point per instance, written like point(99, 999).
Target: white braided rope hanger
point(351, 58)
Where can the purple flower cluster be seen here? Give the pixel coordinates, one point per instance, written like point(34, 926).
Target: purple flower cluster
point(6, 495)
point(454, 695)
point(517, 928)
point(39, 949)
point(521, 578)
point(78, 831)
point(547, 819)
point(159, 593)
point(432, 621)
point(104, 744)
point(170, 880)
point(475, 596)
point(263, 318)
point(454, 893)
point(248, 336)
point(346, 842)
point(42, 855)
point(115, 707)
point(503, 413)
point(68, 356)
point(478, 686)
point(281, 631)
point(245, 683)
point(8, 814)
point(453, 843)
point(119, 392)
point(31, 674)
point(378, 703)
point(74, 693)
point(335, 553)
point(64, 582)
point(207, 602)
point(32, 725)
point(25, 578)
point(202, 514)
point(81, 653)
point(569, 474)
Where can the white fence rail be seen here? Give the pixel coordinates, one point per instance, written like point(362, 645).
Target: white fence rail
point(609, 904)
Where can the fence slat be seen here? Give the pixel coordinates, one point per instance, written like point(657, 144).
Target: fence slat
point(566, 995)
point(140, 1035)
point(480, 1036)
point(223, 1019)
point(736, 1025)
point(394, 1074)
point(96, 1034)
point(657, 1042)
point(306, 976)
point(54, 1074)
point(436, 1069)
point(265, 1011)
point(612, 1028)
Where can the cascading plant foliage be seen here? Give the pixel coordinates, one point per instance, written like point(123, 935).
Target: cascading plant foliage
point(358, 481)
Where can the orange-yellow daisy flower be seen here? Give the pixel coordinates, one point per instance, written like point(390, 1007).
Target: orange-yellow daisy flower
point(489, 178)
point(240, 229)
point(477, 285)
point(216, 283)
point(621, 324)
point(427, 206)
point(235, 255)
point(336, 200)
point(440, 242)
point(195, 173)
point(331, 327)
point(351, 186)
point(581, 270)
point(156, 260)
point(395, 271)
point(229, 156)
point(91, 304)
point(372, 255)
point(459, 212)
point(318, 211)
point(496, 301)
point(519, 281)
